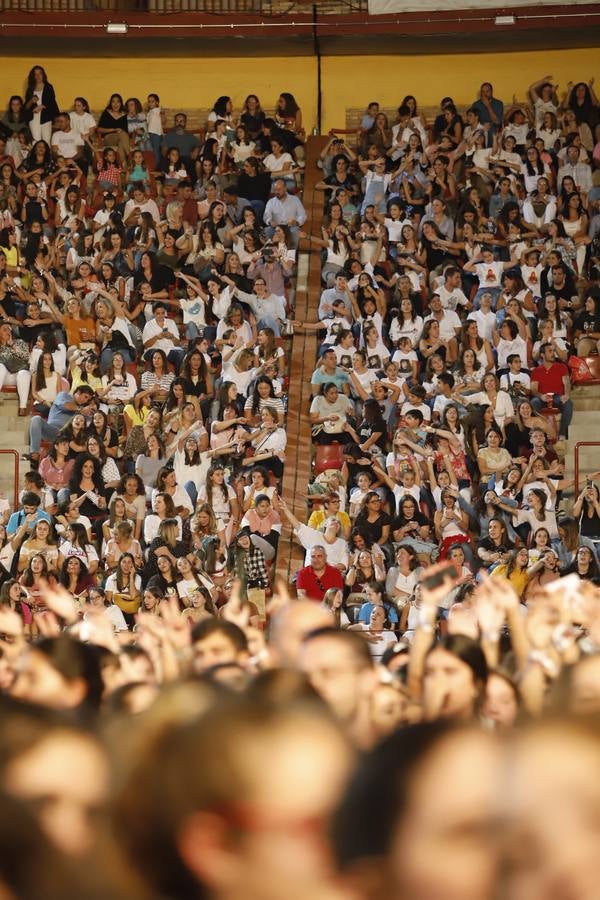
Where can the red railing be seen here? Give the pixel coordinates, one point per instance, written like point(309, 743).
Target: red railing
point(16, 481)
point(576, 472)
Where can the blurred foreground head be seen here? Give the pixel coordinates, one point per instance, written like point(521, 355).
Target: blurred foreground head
point(237, 803)
point(416, 819)
point(58, 769)
point(440, 812)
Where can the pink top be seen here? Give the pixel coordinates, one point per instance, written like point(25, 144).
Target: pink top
point(55, 476)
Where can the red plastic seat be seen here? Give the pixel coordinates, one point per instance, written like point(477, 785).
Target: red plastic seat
point(328, 456)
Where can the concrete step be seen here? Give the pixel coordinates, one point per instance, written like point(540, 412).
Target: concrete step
point(585, 404)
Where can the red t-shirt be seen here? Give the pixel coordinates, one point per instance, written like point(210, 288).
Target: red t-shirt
point(550, 381)
point(315, 587)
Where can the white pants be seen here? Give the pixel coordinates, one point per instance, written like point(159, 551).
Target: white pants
point(22, 381)
point(40, 132)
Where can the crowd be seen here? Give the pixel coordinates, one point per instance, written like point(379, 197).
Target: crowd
point(415, 716)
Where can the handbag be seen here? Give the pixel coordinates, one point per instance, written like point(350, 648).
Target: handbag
point(579, 369)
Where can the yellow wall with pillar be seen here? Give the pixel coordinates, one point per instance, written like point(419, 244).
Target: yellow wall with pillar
point(353, 81)
point(347, 81)
point(180, 81)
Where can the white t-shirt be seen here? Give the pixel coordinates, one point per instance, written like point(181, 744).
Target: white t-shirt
point(521, 378)
point(68, 143)
point(152, 329)
point(273, 164)
point(508, 348)
point(337, 553)
point(81, 124)
point(424, 408)
point(378, 648)
point(489, 274)
point(86, 556)
point(152, 524)
point(154, 121)
point(485, 323)
point(411, 329)
point(219, 505)
point(452, 299)
point(449, 323)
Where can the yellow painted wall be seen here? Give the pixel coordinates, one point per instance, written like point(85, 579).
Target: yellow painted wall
point(182, 82)
point(352, 81)
point(347, 81)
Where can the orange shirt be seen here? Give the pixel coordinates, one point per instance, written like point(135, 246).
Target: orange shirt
point(74, 329)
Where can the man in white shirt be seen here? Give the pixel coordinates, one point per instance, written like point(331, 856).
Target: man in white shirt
point(161, 333)
point(449, 323)
point(269, 309)
point(339, 291)
point(139, 203)
point(579, 171)
point(485, 318)
point(284, 209)
point(451, 293)
point(67, 142)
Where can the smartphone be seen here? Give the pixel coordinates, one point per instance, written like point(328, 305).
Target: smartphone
point(446, 572)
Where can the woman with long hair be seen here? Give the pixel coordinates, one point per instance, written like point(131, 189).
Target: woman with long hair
point(42, 542)
point(585, 565)
point(124, 588)
point(46, 384)
point(122, 541)
point(164, 509)
point(113, 126)
point(191, 582)
point(35, 579)
point(41, 107)
point(150, 462)
point(263, 396)
point(76, 543)
point(586, 510)
point(75, 577)
point(222, 499)
point(166, 543)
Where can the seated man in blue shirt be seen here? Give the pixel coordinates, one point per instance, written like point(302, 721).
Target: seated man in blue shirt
point(27, 517)
point(327, 371)
point(61, 412)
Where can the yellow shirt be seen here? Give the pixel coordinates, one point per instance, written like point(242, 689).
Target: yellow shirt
point(12, 256)
point(317, 518)
point(519, 580)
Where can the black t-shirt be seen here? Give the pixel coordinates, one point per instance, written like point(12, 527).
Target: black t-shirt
point(160, 280)
point(255, 187)
point(252, 124)
point(107, 120)
point(372, 530)
point(366, 429)
point(400, 521)
point(586, 321)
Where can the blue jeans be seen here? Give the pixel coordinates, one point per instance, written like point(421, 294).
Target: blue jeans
point(269, 322)
point(192, 331)
point(155, 142)
point(40, 430)
point(107, 355)
point(192, 490)
point(259, 207)
point(495, 292)
point(566, 411)
point(174, 356)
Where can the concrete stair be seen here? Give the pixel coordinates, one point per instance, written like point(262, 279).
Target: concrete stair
point(14, 435)
point(584, 427)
